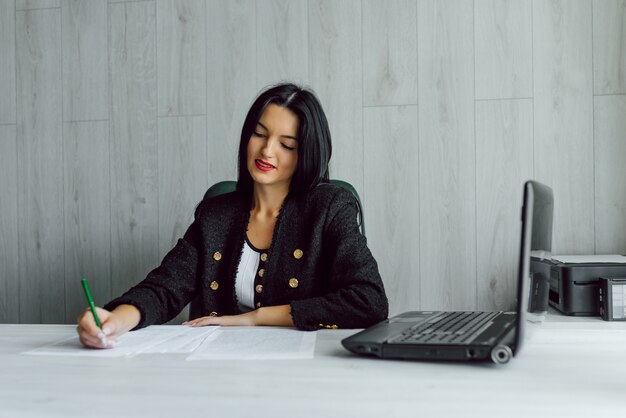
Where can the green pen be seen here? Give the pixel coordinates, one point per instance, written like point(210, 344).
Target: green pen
point(90, 301)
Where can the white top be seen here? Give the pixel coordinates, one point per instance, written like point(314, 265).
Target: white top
point(246, 273)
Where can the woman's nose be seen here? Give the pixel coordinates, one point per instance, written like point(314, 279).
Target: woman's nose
point(268, 148)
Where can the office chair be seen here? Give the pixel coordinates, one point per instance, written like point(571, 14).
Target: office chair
point(228, 186)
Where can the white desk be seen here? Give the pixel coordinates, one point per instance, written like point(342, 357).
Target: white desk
point(552, 379)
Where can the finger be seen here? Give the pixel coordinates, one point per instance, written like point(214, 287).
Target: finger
point(111, 327)
point(108, 328)
point(100, 339)
point(191, 323)
point(89, 340)
point(93, 342)
point(80, 316)
point(100, 344)
point(85, 334)
point(87, 343)
point(88, 324)
point(204, 321)
point(85, 338)
point(90, 343)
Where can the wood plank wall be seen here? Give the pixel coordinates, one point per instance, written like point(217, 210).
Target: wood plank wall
point(116, 116)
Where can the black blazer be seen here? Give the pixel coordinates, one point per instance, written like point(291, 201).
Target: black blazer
point(318, 263)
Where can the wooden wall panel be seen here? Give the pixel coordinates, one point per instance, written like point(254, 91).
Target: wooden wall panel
point(182, 179)
point(610, 172)
point(134, 184)
point(85, 64)
point(504, 160)
point(609, 44)
point(40, 166)
point(447, 186)
point(389, 52)
point(182, 175)
point(335, 71)
point(37, 4)
point(281, 41)
point(563, 118)
point(503, 37)
point(181, 52)
point(392, 206)
point(87, 210)
point(231, 81)
point(9, 262)
point(195, 59)
point(7, 62)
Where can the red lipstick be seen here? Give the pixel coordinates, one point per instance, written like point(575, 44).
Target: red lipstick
point(263, 165)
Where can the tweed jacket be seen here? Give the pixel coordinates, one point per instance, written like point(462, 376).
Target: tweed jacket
point(318, 263)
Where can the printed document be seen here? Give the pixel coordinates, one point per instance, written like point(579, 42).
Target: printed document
point(203, 343)
point(253, 343)
point(153, 339)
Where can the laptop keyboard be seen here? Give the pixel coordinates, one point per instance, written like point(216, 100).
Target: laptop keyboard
point(445, 328)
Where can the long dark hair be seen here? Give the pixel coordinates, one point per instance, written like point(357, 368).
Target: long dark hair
point(314, 143)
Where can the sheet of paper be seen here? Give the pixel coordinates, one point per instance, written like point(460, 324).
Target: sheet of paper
point(599, 258)
point(253, 343)
point(185, 341)
point(131, 343)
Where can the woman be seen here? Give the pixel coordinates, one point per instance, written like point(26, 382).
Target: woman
point(284, 249)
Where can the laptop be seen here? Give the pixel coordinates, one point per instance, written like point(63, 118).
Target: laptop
point(469, 336)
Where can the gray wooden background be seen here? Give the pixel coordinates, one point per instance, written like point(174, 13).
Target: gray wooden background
point(116, 116)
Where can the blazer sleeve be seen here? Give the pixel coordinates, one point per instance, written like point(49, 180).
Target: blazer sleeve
point(357, 296)
point(167, 289)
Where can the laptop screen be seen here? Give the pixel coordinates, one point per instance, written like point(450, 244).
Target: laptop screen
point(537, 212)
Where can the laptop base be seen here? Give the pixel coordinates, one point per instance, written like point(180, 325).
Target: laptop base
point(490, 343)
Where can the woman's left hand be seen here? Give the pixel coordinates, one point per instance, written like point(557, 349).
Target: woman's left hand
point(278, 316)
point(246, 319)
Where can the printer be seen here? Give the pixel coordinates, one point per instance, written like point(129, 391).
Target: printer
point(574, 281)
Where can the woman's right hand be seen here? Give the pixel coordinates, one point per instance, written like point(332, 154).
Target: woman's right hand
point(114, 324)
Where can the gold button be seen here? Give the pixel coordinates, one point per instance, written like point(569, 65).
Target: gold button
point(217, 256)
point(214, 285)
point(261, 272)
point(259, 288)
point(213, 314)
point(293, 282)
point(334, 327)
point(297, 254)
point(258, 304)
point(264, 257)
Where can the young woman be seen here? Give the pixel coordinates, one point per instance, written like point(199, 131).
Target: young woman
point(284, 249)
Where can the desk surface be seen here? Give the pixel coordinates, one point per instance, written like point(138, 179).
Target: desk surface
point(570, 367)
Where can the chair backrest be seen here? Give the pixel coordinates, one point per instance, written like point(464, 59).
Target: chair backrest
point(228, 186)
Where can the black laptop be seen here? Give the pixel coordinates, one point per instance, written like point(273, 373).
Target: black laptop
point(468, 336)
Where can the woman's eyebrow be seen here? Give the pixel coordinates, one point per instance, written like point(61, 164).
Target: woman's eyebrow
point(284, 136)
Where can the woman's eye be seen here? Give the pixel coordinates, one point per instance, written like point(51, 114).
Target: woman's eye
point(288, 147)
point(260, 135)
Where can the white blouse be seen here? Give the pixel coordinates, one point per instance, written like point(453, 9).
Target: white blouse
point(246, 274)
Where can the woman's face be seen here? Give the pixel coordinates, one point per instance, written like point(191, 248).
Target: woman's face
point(272, 153)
